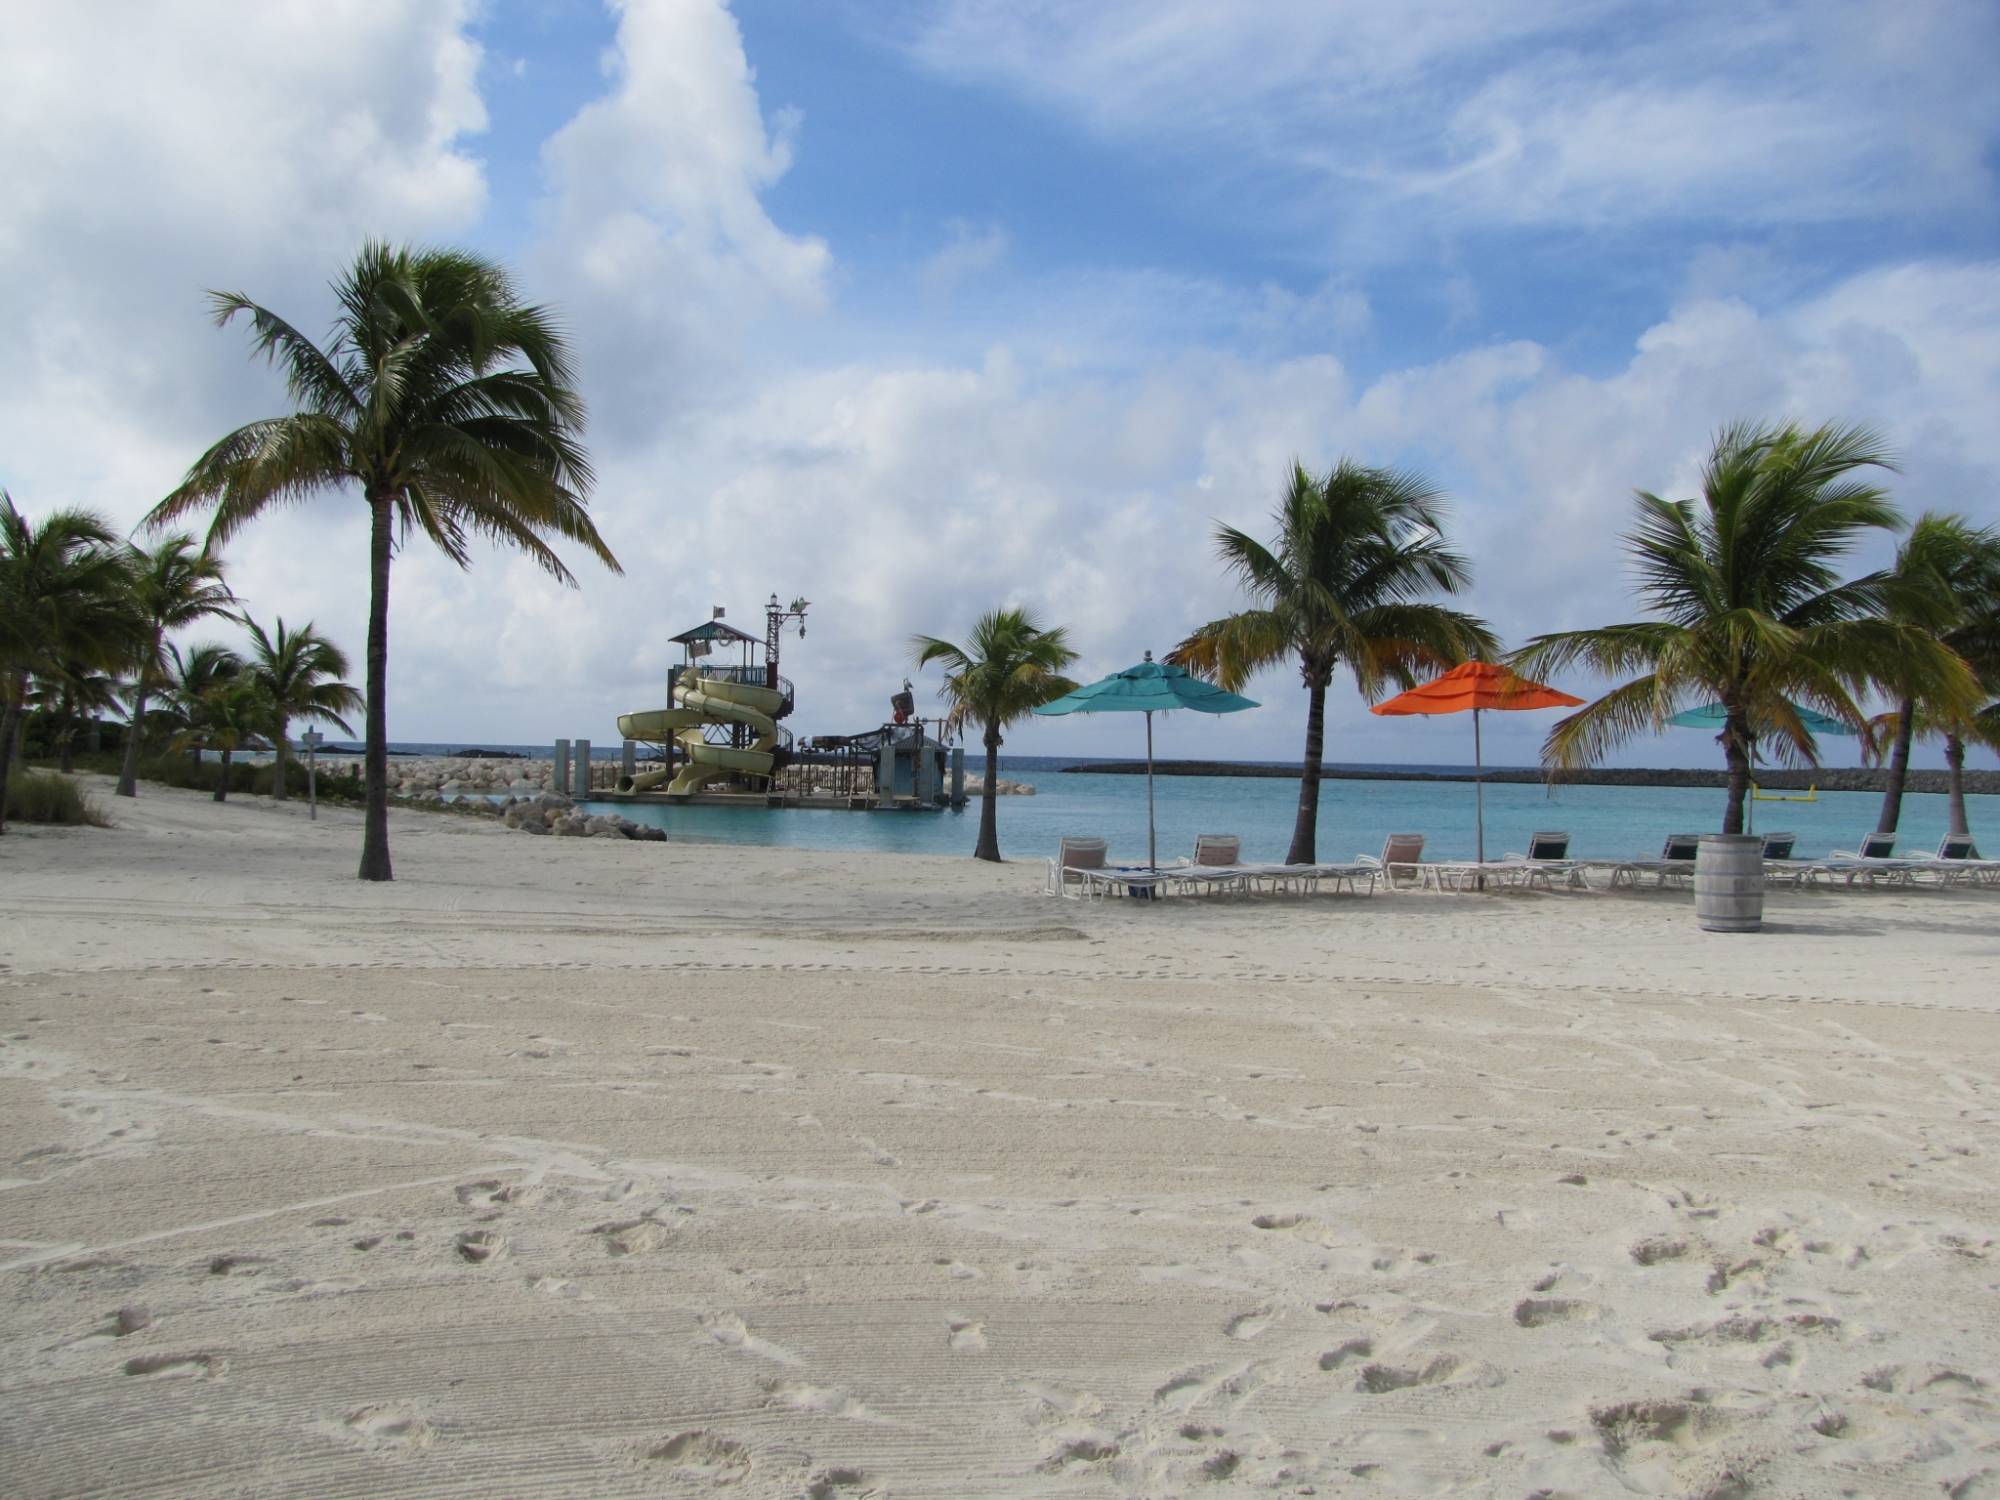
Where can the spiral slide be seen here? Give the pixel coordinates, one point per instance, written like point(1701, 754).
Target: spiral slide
point(704, 701)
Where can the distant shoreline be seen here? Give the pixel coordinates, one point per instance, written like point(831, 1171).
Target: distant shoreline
point(1830, 779)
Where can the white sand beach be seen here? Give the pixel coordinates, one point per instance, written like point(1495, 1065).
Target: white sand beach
point(598, 1168)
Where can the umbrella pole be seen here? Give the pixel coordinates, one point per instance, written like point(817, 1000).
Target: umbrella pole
point(1152, 845)
point(1479, 795)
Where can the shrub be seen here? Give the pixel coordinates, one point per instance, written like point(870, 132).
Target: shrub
point(45, 797)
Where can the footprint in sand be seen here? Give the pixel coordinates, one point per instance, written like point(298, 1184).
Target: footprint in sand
point(481, 1246)
point(1347, 1353)
point(640, 1236)
point(1627, 1426)
point(121, 1324)
point(820, 1400)
point(829, 1484)
point(1081, 1453)
point(1540, 1312)
point(1660, 1248)
point(389, 1425)
point(205, 1366)
point(1248, 1325)
point(702, 1455)
point(238, 1265)
point(966, 1335)
point(1445, 1369)
point(732, 1333)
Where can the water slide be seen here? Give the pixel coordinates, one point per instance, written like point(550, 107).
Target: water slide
point(701, 702)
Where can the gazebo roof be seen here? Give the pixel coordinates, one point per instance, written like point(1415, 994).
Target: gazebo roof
point(715, 630)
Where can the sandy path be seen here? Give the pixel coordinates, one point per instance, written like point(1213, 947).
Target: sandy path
point(575, 1168)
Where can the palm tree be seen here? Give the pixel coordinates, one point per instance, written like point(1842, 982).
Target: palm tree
point(71, 695)
point(174, 584)
point(223, 717)
point(1344, 580)
point(1952, 570)
point(1008, 666)
point(62, 584)
point(299, 672)
point(416, 403)
point(1750, 611)
point(190, 679)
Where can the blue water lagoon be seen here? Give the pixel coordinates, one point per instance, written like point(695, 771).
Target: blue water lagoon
point(1354, 817)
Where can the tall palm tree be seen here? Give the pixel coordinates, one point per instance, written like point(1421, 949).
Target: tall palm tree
point(62, 585)
point(174, 584)
point(1750, 610)
point(299, 672)
point(1009, 666)
point(1952, 570)
point(447, 403)
point(1343, 581)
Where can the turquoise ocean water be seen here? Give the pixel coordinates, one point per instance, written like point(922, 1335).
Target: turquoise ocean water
point(1354, 816)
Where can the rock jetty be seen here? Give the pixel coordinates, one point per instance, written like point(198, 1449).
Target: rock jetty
point(554, 814)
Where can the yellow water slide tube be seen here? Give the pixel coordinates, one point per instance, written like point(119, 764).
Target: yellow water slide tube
point(703, 701)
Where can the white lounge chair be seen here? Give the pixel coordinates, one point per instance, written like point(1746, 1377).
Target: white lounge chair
point(1547, 857)
point(1075, 864)
point(1957, 862)
point(1217, 865)
point(1779, 866)
point(1676, 862)
point(1402, 853)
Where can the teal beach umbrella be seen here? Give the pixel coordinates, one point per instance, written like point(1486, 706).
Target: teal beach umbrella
point(1714, 716)
point(1150, 688)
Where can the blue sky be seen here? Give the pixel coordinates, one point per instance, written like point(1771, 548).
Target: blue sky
point(919, 308)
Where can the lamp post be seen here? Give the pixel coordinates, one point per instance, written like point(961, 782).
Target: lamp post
point(312, 739)
point(775, 615)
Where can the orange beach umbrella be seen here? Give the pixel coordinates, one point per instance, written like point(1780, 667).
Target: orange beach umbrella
point(1477, 685)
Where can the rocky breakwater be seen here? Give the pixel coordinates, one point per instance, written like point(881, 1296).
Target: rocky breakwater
point(975, 786)
point(444, 778)
point(552, 813)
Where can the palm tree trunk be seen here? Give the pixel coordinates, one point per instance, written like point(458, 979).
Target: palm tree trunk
point(1305, 832)
point(128, 773)
point(1954, 760)
point(222, 781)
point(1899, 768)
point(989, 807)
point(1736, 752)
point(281, 752)
point(10, 714)
point(66, 749)
point(375, 824)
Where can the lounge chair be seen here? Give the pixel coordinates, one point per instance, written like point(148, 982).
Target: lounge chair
point(1217, 865)
point(1075, 864)
point(1779, 866)
point(1547, 857)
point(1402, 853)
point(1957, 861)
point(1676, 862)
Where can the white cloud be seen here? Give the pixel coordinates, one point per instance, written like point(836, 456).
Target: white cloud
point(1598, 113)
point(965, 253)
point(657, 244)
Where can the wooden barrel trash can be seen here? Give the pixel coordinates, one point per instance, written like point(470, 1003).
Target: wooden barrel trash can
point(1729, 882)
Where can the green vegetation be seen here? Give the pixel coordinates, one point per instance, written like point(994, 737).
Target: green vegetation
point(1009, 666)
point(1752, 613)
point(1344, 581)
point(1950, 572)
point(47, 797)
point(61, 592)
point(417, 404)
point(173, 585)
